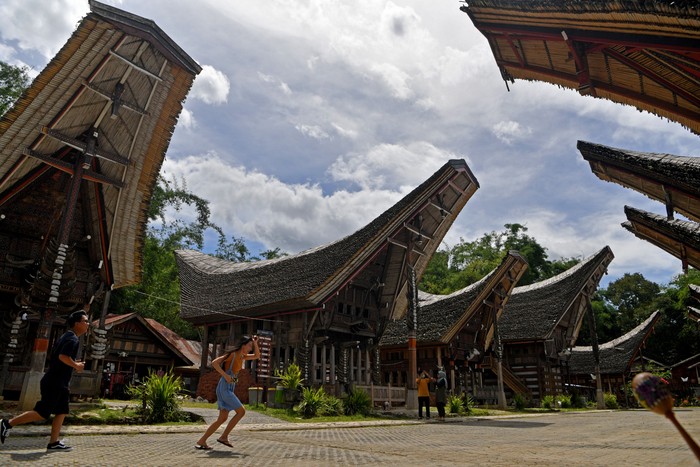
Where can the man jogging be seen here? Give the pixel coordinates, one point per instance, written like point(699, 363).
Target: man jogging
point(55, 393)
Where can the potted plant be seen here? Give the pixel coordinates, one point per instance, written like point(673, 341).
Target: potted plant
point(290, 380)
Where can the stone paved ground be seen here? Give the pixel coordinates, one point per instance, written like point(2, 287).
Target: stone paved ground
point(604, 438)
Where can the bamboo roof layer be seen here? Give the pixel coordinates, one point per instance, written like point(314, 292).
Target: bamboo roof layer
point(405, 236)
point(677, 237)
point(534, 311)
point(616, 356)
point(118, 82)
point(640, 53)
point(441, 317)
point(672, 180)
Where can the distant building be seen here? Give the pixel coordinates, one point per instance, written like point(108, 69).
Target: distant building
point(541, 323)
point(618, 360)
point(456, 332)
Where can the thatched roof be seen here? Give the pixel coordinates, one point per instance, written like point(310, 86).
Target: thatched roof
point(213, 289)
point(534, 311)
point(616, 356)
point(118, 77)
point(441, 317)
point(677, 237)
point(672, 180)
point(641, 53)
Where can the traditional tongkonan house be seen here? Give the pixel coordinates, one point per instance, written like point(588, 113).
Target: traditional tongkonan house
point(672, 180)
point(541, 322)
point(326, 307)
point(619, 360)
point(80, 155)
point(455, 331)
point(645, 54)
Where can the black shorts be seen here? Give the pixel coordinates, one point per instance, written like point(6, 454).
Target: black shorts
point(54, 399)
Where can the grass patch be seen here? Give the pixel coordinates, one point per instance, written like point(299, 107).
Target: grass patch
point(289, 415)
point(125, 414)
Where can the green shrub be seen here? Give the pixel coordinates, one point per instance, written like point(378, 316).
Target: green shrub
point(610, 401)
point(158, 396)
point(467, 402)
point(520, 402)
point(357, 402)
point(455, 404)
point(312, 401)
point(332, 405)
point(565, 400)
point(548, 402)
point(290, 378)
point(578, 401)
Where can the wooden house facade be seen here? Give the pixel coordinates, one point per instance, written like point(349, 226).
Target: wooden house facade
point(685, 378)
point(541, 322)
point(457, 332)
point(618, 361)
point(326, 308)
point(81, 150)
point(644, 54)
point(137, 347)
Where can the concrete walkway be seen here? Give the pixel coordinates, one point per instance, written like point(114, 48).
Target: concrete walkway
point(596, 438)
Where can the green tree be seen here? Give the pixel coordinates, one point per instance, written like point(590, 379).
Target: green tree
point(676, 337)
point(454, 268)
point(13, 81)
point(157, 296)
point(633, 297)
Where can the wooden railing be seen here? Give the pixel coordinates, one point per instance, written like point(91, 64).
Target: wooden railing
point(394, 395)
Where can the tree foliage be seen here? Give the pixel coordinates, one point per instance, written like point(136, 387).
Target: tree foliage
point(630, 300)
point(454, 268)
point(13, 81)
point(158, 294)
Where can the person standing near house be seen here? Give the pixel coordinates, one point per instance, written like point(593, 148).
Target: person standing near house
point(55, 392)
point(441, 394)
point(423, 383)
point(228, 365)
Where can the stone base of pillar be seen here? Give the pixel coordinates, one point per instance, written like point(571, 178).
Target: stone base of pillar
point(412, 399)
point(31, 390)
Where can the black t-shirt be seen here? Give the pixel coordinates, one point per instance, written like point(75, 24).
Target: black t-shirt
point(67, 344)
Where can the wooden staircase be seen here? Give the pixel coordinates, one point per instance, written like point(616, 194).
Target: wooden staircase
point(509, 378)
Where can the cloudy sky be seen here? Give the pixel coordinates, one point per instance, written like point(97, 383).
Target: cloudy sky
point(312, 117)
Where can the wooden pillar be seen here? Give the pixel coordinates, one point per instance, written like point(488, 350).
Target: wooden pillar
point(314, 359)
point(323, 364)
point(351, 365)
point(31, 391)
point(368, 367)
point(358, 368)
point(600, 399)
point(332, 364)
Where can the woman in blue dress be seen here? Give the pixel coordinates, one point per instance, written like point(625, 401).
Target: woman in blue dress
point(228, 365)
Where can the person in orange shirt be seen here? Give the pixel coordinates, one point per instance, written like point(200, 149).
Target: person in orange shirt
point(423, 383)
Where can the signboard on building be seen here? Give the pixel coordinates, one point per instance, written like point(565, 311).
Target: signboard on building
point(265, 362)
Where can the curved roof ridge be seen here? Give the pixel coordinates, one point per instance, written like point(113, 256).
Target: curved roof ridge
point(426, 298)
point(642, 327)
point(561, 276)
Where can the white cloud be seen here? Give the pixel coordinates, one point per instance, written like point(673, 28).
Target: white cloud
point(210, 86)
point(186, 119)
point(312, 131)
point(507, 131)
point(290, 216)
point(40, 25)
point(390, 166)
